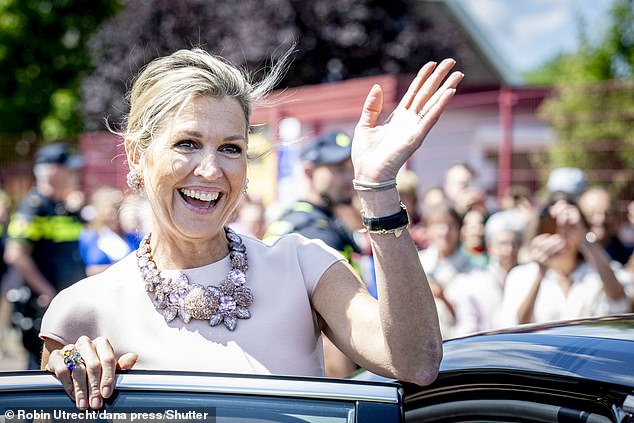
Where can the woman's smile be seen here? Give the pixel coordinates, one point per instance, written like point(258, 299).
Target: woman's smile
point(199, 199)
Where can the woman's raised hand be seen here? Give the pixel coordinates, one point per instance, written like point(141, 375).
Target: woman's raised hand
point(87, 370)
point(379, 151)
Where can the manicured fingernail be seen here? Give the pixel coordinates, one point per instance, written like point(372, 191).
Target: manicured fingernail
point(95, 403)
point(106, 391)
point(82, 404)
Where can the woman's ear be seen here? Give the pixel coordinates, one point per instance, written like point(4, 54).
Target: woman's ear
point(132, 152)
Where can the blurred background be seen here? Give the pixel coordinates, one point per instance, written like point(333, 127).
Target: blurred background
point(548, 83)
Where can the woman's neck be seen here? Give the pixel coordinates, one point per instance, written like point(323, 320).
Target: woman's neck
point(170, 252)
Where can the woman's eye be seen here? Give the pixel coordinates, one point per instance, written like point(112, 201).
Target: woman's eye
point(231, 149)
point(185, 144)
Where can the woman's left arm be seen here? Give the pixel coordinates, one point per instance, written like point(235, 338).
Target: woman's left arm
point(397, 336)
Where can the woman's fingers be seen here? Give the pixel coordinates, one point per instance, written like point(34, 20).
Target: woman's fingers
point(415, 85)
point(107, 366)
point(87, 369)
point(430, 87)
point(372, 107)
point(126, 361)
point(56, 365)
point(80, 387)
point(449, 85)
point(88, 376)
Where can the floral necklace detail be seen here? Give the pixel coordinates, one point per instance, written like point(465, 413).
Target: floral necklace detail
point(227, 302)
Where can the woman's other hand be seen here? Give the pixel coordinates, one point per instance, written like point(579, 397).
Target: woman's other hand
point(544, 247)
point(86, 368)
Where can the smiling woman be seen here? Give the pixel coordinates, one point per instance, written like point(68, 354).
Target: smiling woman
point(195, 172)
point(175, 304)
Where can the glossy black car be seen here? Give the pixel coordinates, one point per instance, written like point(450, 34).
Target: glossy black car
point(577, 371)
point(581, 371)
point(143, 396)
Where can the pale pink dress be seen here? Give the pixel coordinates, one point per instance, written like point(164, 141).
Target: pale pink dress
point(281, 337)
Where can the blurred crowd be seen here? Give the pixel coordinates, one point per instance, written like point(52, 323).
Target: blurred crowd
point(564, 252)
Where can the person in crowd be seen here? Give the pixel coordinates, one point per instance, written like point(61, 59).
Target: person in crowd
point(198, 296)
point(472, 240)
point(477, 295)
point(5, 282)
point(432, 197)
point(42, 244)
point(329, 173)
point(407, 186)
point(134, 214)
point(519, 199)
point(250, 218)
point(599, 209)
point(569, 274)
point(104, 240)
point(462, 189)
point(516, 196)
point(5, 213)
point(443, 260)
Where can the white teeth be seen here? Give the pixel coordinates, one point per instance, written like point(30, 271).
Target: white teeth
point(199, 195)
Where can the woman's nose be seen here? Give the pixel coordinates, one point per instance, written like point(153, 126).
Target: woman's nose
point(208, 167)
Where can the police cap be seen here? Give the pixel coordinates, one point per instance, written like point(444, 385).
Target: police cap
point(58, 153)
point(329, 148)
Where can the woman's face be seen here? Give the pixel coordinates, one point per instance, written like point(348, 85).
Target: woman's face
point(472, 230)
point(195, 168)
point(443, 233)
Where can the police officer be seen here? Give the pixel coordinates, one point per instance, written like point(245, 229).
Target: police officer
point(329, 174)
point(42, 243)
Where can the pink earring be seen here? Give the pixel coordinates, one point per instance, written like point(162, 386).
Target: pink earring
point(135, 180)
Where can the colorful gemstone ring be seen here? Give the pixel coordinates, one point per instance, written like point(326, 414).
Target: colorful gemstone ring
point(72, 358)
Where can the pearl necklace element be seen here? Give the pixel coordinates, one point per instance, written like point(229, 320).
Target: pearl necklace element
point(227, 302)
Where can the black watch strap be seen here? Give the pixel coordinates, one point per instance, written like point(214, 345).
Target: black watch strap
point(387, 223)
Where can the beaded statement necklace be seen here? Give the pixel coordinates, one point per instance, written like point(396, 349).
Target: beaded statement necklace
point(226, 303)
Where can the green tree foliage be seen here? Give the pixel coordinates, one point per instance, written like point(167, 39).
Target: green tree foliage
point(335, 39)
point(592, 111)
point(42, 57)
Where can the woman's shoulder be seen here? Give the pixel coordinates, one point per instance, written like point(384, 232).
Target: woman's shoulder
point(97, 292)
point(294, 256)
point(292, 241)
point(117, 274)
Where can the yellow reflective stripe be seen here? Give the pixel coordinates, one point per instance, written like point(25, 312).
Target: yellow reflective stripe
point(54, 228)
point(277, 229)
point(347, 253)
point(302, 206)
point(60, 228)
point(20, 227)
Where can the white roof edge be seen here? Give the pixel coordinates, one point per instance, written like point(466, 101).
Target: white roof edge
point(483, 44)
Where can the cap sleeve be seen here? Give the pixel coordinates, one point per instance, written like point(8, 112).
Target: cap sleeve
point(70, 315)
point(315, 257)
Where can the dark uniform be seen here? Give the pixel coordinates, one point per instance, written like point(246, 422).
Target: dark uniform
point(317, 222)
point(50, 232)
point(309, 219)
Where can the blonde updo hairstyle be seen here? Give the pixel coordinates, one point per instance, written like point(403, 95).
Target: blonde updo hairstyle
point(168, 83)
